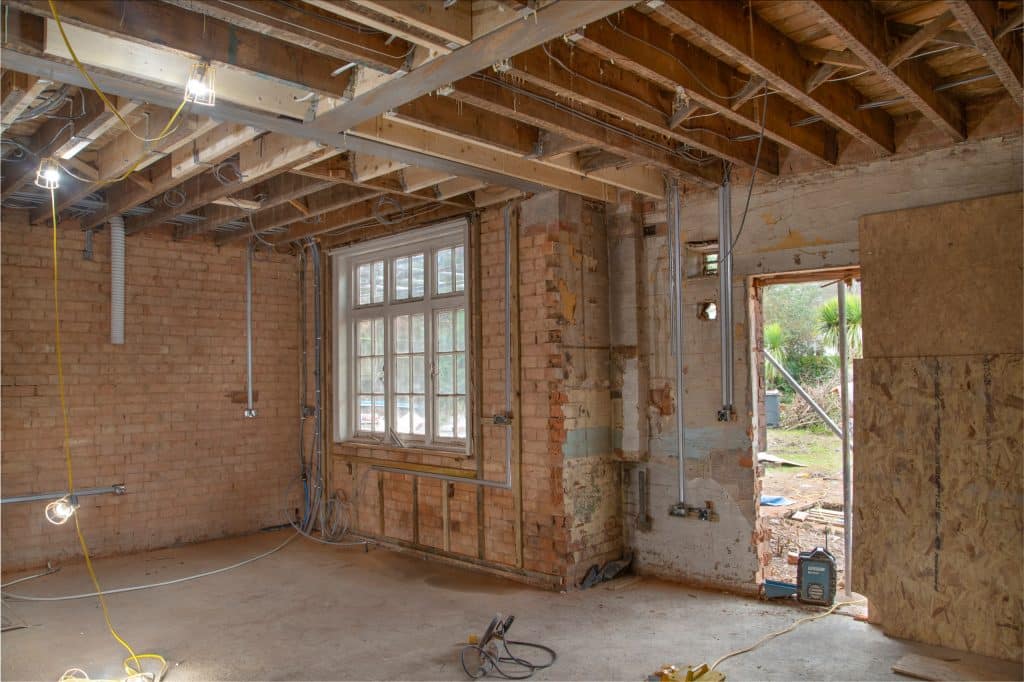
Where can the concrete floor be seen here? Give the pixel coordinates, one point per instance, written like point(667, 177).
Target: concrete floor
point(317, 612)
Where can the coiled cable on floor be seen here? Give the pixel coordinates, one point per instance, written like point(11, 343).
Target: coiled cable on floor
point(490, 657)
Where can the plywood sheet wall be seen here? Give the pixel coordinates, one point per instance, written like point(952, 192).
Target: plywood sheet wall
point(945, 279)
point(939, 425)
point(938, 519)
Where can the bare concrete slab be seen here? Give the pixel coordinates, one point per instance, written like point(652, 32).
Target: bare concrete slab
point(325, 613)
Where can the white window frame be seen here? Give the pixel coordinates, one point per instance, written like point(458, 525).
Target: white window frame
point(347, 312)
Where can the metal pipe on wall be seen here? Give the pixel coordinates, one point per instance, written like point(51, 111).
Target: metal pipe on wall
point(844, 393)
point(116, 489)
point(117, 280)
point(725, 296)
point(250, 408)
point(676, 264)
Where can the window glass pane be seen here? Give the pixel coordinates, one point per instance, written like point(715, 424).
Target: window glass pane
point(417, 276)
point(378, 375)
point(402, 374)
point(365, 375)
point(460, 373)
point(403, 415)
point(445, 375)
point(402, 334)
point(445, 418)
point(417, 333)
point(378, 281)
point(401, 278)
point(365, 333)
point(460, 417)
point(378, 336)
point(460, 329)
point(365, 413)
point(378, 414)
point(444, 271)
point(364, 277)
point(443, 331)
point(460, 266)
point(419, 415)
point(419, 375)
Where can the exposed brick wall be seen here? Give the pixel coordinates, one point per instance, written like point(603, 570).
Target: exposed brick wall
point(570, 505)
point(155, 412)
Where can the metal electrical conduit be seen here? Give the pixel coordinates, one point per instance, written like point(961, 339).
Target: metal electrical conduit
point(676, 258)
point(250, 408)
point(725, 247)
point(507, 483)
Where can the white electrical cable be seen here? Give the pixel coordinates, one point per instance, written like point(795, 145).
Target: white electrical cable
point(134, 588)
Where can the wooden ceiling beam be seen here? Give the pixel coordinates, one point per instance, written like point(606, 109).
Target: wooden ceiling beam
point(649, 49)
point(552, 22)
point(766, 52)
point(922, 37)
point(19, 91)
point(383, 22)
point(214, 143)
point(442, 145)
point(452, 24)
point(863, 30)
point(981, 20)
point(415, 179)
point(56, 137)
point(362, 227)
point(611, 92)
point(307, 28)
point(481, 125)
point(491, 96)
point(204, 188)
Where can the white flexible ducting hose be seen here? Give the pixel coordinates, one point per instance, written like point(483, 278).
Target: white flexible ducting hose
point(117, 280)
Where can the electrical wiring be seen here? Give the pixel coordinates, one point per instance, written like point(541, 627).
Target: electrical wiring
point(110, 105)
point(753, 174)
point(162, 583)
point(51, 103)
point(49, 571)
point(132, 664)
point(790, 628)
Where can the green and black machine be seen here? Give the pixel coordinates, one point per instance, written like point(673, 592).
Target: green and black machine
point(816, 577)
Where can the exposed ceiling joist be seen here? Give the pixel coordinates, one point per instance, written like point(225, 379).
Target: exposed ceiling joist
point(648, 49)
point(552, 22)
point(862, 29)
point(764, 51)
point(19, 91)
point(981, 20)
point(453, 24)
point(308, 29)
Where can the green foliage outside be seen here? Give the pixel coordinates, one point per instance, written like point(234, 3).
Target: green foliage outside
point(801, 332)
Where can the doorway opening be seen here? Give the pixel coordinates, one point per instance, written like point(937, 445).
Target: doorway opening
point(799, 423)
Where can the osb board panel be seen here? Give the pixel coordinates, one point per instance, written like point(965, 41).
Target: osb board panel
point(944, 279)
point(938, 519)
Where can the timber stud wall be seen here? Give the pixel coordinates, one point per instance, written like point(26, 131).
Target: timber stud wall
point(154, 413)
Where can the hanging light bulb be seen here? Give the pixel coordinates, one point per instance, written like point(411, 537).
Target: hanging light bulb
point(59, 511)
point(48, 175)
point(199, 88)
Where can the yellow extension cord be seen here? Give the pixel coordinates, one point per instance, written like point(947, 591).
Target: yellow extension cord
point(113, 109)
point(132, 665)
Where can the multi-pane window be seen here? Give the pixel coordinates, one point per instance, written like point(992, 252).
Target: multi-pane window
point(405, 337)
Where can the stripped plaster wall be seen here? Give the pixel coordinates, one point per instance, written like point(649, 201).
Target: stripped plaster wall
point(799, 223)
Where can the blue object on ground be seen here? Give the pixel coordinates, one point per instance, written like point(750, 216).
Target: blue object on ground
point(776, 589)
point(775, 501)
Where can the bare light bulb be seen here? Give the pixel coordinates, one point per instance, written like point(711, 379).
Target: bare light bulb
point(48, 174)
point(59, 511)
point(199, 87)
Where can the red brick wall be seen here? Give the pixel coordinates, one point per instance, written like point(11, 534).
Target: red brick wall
point(570, 486)
point(155, 412)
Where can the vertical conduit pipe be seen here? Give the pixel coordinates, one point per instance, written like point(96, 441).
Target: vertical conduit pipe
point(672, 205)
point(117, 280)
point(725, 296)
point(844, 393)
point(250, 408)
